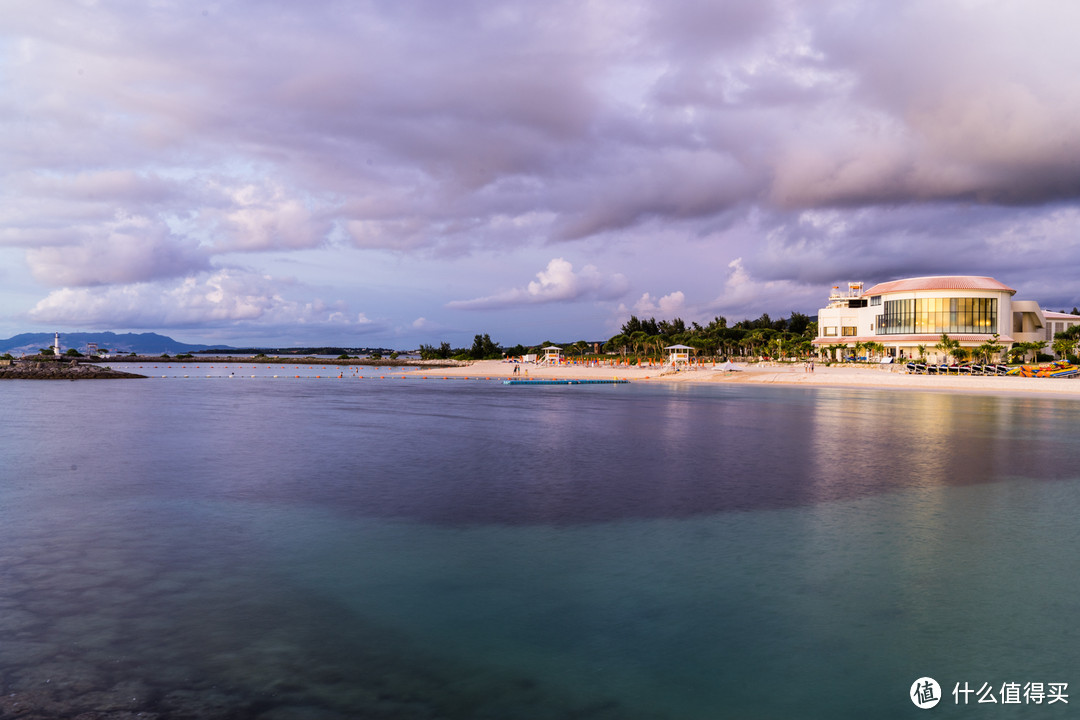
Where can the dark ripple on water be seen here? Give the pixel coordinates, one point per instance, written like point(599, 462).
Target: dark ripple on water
point(103, 633)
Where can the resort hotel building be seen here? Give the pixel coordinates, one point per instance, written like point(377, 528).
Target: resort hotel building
point(904, 314)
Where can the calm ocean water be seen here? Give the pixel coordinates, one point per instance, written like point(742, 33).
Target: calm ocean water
point(319, 548)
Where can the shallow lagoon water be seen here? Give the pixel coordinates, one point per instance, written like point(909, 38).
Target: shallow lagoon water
point(316, 548)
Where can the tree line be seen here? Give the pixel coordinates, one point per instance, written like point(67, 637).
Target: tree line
point(763, 337)
point(790, 337)
point(646, 339)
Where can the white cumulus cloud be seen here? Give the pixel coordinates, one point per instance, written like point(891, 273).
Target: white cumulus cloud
point(744, 294)
point(226, 297)
point(668, 306)
point(556, 283)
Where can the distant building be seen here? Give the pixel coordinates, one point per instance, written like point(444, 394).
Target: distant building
point(903, 314)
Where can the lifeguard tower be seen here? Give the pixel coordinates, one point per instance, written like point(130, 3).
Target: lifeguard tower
point(678, 355)
point(552, 354)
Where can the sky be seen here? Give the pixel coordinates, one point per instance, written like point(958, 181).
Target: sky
point(387, 173)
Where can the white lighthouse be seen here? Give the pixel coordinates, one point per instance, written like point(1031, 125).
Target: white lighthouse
point(56, 344)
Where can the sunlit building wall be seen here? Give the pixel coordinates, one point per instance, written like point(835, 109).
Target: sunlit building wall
point(903, 314)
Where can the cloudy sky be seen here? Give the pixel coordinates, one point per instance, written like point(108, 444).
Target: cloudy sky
point(397, 172)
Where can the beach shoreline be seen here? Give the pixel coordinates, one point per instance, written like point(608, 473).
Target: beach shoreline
point(881, 377)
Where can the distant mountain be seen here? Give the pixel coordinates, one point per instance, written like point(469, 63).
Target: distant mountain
point(141, 343)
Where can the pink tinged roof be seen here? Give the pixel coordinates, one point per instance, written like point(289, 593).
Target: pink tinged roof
point(942, 282)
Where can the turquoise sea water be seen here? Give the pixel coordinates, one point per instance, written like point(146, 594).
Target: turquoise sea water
point(315, 548)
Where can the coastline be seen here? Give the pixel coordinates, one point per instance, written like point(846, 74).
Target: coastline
point(859, 376)
point(54, 370)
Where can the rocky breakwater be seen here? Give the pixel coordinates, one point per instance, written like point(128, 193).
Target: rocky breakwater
point(59, 370)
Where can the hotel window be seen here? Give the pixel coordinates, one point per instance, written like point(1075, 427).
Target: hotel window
point(849, 331)
point(830, 331)
point(934, 316)
point(875, 300)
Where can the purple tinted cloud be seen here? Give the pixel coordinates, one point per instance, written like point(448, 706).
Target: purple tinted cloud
point(813, 141)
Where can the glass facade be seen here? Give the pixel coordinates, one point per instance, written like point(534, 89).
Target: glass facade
point(938, 315)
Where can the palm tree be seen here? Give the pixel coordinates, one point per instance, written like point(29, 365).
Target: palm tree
point(989, 349)
point(752, 341)
point(617, 344)
point(707, 346)
point(875, 348)
point(1035, 348)
point(948, 346)
point(922, 352)
point(1021, 350)
point(1064, 346)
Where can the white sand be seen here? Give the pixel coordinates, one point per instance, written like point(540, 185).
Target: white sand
point(868, 376)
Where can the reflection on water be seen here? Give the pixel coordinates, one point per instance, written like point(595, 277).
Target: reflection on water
point(320, 550)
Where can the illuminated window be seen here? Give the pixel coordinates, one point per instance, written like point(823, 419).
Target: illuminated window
point(933, 316)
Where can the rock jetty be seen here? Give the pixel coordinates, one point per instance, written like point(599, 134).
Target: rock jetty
point(60, 370)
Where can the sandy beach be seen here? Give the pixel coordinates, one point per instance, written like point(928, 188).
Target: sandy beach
point(863, 376)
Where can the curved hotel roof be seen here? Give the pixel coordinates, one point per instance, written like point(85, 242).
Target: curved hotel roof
point(940, 282)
